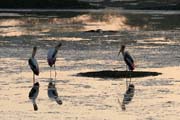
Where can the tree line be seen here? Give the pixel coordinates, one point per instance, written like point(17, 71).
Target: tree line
point(60, 4)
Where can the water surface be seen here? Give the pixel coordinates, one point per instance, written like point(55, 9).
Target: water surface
point(152, 37)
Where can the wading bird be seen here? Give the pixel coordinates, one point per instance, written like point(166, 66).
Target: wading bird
point(51, 57)
point(35, 89)
point(33, 64)
point(128, 60)
point(52, 93)
point(33, 95)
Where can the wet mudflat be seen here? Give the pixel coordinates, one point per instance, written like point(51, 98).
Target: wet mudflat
point(151, 38)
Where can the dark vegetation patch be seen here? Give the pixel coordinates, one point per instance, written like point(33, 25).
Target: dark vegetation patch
point(118, 74)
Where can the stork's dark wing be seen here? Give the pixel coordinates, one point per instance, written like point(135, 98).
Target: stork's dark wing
point(54, 54)
point(128, 57)
point(31, 64)
point(34, 65)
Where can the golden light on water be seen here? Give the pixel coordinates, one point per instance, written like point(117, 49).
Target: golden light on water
point(11, 22)
point(157, 40)
point(88, 98)
point(106, 22)
point(92, 22)
point(63, 38)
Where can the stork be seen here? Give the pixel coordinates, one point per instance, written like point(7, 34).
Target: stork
point(127, 59)
point(51, 56)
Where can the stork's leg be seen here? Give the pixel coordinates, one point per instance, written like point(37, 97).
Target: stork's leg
point(33, 78)
point(55, 71)
point(126, 77)
point(130, 77)
point(50, 72)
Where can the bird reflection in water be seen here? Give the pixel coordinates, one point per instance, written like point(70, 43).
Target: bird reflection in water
point(128, 96)
point(52, 92)
point(33, 95)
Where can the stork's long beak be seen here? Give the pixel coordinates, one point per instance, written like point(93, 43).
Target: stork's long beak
point(119, 51)
point(34, 51)
point(58, 46)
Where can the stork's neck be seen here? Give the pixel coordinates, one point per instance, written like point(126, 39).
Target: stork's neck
point(58, 46)
point(34, 53)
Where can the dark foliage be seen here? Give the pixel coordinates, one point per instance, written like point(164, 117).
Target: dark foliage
point(60, 4)
point(148, 4)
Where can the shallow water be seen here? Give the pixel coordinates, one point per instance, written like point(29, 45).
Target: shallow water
point(152, 39)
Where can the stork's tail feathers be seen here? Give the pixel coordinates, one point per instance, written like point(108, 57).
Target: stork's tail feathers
point(58, 100)
point(133, 66)
point(35, 106)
